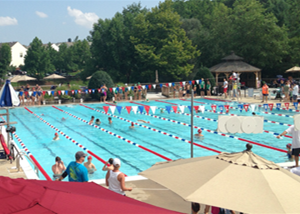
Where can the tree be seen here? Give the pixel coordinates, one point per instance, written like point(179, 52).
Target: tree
point(81, 52)
point(98, 79)
point(52, 53)
point(37, 60)
point(65, 59)
point(5, 59)
point(161, 44)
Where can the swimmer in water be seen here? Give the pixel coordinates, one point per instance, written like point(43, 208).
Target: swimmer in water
point(253, 113)
point(92, 120)
point(143, 121)
point(161, 110)
point(132, 125)
point(98, 122)
point(109, 120)
point(199, 133)
point(42, 115)
point(58, 168)
point(90, 166)
point(108, 165)
point(63, 119)
point(56, 137)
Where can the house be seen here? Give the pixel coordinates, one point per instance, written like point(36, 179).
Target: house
point(53, 45)
point(18, 52)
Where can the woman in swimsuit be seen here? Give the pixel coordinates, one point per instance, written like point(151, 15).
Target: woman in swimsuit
point(33, 96)
point(39, 95)
point(195, 90)
point(184, 91)
point(140, 91)
point(187, 89)
point(126, 92)
point(21, 96)
point(202, 88)
point(208, 87)
point(180, 91)
point(135, 91)
point(174, 91)
point(120, 93)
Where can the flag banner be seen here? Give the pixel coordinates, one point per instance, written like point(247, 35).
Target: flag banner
point(147, 108)
point(196, 108)
point(161, 85)
point(93, 91)
point(214, 107)
point(173, 84)
point(106, 108)
point(296, 105)
point(253, 106)
point(181, 109)
point(53, 92)
point(246, 107)
point(99, 90)
point(119, 108)
point(202, 108)
point(240, 107)
point(143, 86)
point(221, 107)
point(190, 108)
point(63, 92)
point(287, 105)
point(141, 108)
point(271, 106)
point(30, 93)
point(168, 108)
point(67, 92)
point(278, 106)
point(170, 84)
point(197, 81)
point(44, 92)
point(112, 109)
point(266, 107)
point(149, 86)
point(59, 92)
point(75, 91)
point(183, 83)
point(153, 108)
point(134, 109)
point(174, 108)
point(79, 91)
point(226, 107)
point(154, 86)
point(128, 108)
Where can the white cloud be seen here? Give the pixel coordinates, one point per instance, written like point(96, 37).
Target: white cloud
point(41, 14)
point(83, 19)
point(8, 21)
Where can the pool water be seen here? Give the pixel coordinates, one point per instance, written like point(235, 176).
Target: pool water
point(37, 136)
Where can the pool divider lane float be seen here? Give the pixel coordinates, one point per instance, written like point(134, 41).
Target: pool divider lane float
point(152, 129)
point(67, 137)
point(214, 132)
point(267, 121)
point(32, 157)
point(113, 134)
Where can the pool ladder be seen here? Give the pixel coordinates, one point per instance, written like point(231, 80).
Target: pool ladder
point(22, 153)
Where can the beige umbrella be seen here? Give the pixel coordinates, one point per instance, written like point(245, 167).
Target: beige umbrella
point(25, 78)
point(89, 77)
point(240, 181)
point(293, 69)
point(54, 76)
point(15, 78)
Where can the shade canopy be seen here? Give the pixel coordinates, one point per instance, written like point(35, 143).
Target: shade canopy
point(36, 196)
point(15, 78)
point(233, 63)
point(25, 78)
point(293, 69)
point(240, 181)
point(54, 76)
point(8, 96)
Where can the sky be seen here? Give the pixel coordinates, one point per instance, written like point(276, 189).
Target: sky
point(55, 21)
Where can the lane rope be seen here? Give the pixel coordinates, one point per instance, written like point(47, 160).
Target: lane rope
point(115, 135)
point(215, 132)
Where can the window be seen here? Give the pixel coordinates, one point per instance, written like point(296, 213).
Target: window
point(21, 54)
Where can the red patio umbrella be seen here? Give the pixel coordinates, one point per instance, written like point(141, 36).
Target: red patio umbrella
point(36, 196)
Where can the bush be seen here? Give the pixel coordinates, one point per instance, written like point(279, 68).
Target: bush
point(99, 79)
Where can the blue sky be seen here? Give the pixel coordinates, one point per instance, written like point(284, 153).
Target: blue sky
point(56, 21)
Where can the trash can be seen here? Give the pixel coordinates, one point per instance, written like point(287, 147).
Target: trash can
point(250, 92)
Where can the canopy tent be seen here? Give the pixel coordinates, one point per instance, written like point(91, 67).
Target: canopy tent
point(36, 196)
point(234, 63)
point(293, 69)
point(54, 76)
point(240, 181)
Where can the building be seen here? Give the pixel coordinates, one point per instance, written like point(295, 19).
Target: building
point(18, 52)
point(53, 45)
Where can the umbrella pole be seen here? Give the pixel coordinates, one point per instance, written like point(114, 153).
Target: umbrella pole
point(192, 122)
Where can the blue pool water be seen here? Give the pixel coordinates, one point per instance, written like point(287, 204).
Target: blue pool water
point(37, 136)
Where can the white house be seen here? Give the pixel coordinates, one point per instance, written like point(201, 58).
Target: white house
point(18, 52)
point(53, 45)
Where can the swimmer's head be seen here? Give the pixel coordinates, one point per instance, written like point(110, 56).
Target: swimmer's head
point(109, 118)
point(57, 159)
point(199, 131)
point(97, 120)
point(288, 145)
point(93, 117)
point(90, 158)
point(253, 113)
point(111, 160)
point(132, 124)
point(56, 134)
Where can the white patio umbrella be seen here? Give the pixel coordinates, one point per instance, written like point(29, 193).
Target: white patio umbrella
point(89, 77)
point(25, 78)
point(54, 76)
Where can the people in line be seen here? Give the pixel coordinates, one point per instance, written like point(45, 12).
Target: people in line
point(58, 168)
point(295, 142)
point(75, 170)
point(90, 166)
point(108, 165)
point(56, 137)
point(115, 179)
point(97, 122)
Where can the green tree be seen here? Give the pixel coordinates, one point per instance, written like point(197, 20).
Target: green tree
point(5, 59)
point(37, 60)
point(161, 44)
point(98, 79)
point(52, 53)
point(81, 53)
point(65, 59)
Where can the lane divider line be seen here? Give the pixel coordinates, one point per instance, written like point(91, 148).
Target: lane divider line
point(32, 157)
point(152, 129)
point(115, 135)
point(215, 132)
point(67, 137)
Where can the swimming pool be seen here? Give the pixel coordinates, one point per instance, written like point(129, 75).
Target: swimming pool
point(159, 140)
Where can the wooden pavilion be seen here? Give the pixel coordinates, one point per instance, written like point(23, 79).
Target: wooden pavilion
point(234, 63)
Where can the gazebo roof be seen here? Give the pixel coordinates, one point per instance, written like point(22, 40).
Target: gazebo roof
point(233, 63)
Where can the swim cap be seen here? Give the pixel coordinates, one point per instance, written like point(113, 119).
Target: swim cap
point(288, 145)
point(199, 130)
point(56, 134)
point(132, 123)
point(90, 158)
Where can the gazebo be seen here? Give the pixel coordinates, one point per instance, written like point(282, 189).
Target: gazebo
point(234, 63)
